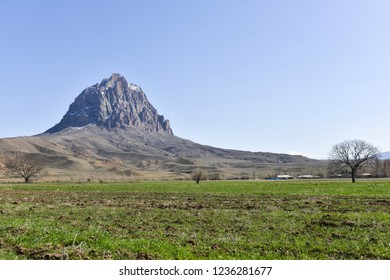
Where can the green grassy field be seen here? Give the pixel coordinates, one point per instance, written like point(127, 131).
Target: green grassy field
point(182, 220)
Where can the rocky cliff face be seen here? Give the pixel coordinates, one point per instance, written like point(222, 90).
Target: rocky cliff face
point(114, 103)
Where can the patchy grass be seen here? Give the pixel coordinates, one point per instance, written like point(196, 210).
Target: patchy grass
point(183, 220)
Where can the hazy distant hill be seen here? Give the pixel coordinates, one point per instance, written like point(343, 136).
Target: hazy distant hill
point(384, 155)
point(112, 127)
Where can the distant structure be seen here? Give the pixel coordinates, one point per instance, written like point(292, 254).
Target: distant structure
point(285, 177)
point(308, 177)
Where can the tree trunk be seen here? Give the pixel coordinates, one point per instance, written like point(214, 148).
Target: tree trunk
point(353, 177)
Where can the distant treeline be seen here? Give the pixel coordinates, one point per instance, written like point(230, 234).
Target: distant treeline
point(381, 168)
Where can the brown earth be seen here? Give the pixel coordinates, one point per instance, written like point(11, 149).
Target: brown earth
point(118, 154)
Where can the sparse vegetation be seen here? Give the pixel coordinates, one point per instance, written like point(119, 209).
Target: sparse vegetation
point(24, 166)
point(382, 168)
point(196, 176)
point(217, 220)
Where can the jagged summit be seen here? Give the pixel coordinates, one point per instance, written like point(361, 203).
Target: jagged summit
point(114, 103)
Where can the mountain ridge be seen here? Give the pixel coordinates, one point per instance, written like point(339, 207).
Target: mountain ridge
point(149, 155)
point(112, 127)
point(384, 155)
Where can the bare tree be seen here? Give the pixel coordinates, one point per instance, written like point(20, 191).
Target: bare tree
point(24, 166)
point(196, 176)
point(349, 156)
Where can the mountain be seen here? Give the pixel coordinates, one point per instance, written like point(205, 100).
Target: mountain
point(384, 155)
point(114, 103)
point(111, 128)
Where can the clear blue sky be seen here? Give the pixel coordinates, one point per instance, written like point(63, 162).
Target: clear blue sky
point(274, 76)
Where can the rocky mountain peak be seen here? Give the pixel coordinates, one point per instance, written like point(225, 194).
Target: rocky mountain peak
point(114, 103)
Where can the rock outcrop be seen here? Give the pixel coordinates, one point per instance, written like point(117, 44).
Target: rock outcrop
point(114, 103)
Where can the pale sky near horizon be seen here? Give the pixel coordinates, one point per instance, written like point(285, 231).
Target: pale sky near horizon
point(274, 76)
